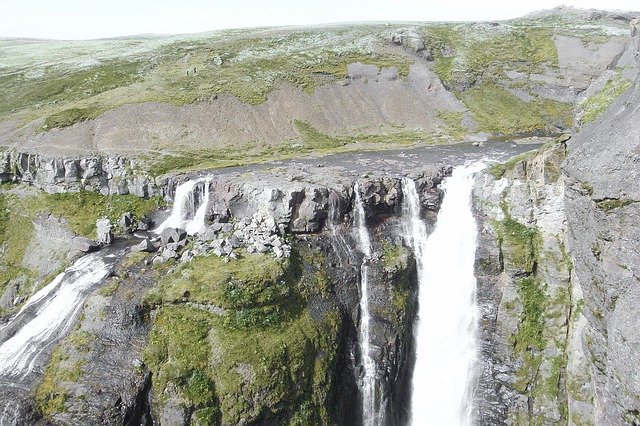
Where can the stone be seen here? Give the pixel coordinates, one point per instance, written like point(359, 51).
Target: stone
point(167, 254)
point(145, 224)
point(85, 244)
point(233, 241)
point(104, 231)
point(127, 222)
point(146, 245)
point(172, 235)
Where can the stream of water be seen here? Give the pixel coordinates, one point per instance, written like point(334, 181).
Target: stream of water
point(27, 339)
point(370, 415)
point(447, 316)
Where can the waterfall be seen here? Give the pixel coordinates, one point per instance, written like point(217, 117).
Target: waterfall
point(369, 412)
point(447, 316)
point(45, 318)
point(189, 207)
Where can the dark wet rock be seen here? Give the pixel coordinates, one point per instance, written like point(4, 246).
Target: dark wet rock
point(127, 222)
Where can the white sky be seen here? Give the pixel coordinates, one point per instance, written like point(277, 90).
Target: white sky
point(84, 19)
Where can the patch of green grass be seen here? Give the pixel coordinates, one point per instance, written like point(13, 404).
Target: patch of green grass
point(82, 209)
point(69, 117)
point(453, 121)
point(467, 51)
point(519, 242)
point(311, 141)
point(60, 87)
point(51, 395)
point(498, 170)
point(612, 204)
point(229, 370)
point(594, 106)
point(496, 110)
point(252, 370)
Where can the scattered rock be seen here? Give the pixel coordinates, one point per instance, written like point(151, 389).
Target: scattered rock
point(104, 229)
point(85, 244)
point(127, 222)
point(146, 245)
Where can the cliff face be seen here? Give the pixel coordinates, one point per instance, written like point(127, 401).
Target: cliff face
point(524, 274)
point(281, 334)
point(557, 267)
point(603, 215)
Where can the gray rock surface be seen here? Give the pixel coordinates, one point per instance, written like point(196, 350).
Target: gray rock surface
point(603, 213)
point(104, 230)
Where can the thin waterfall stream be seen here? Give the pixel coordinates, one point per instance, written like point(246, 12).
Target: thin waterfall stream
point(369, 411)
point(447, 316)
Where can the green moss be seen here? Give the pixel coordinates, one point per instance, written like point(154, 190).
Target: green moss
point(51, 395)
point(529, 341)
point(594, 106)
point(253, 369)
point(531, 330)
point(395, 257)
point(252, 289)
point(519, 242)
point(69, 117)
point(496, 110)
point(587, 188)
point(612, 204)
point(498, 170)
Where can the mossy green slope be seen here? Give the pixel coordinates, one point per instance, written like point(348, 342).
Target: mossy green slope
point(238, 342)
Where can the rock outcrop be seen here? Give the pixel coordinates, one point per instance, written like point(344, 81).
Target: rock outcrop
point(105, 174)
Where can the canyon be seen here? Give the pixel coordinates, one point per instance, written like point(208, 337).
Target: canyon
point(350, 264)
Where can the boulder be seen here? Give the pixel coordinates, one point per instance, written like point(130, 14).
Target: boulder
point(144, 224)
point(172, 235)
point(146, 245)
point(127, 222)
point(104, 231)
point(85, 244)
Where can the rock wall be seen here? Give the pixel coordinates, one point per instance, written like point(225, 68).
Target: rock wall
point(558, 277)
point(603, 214)
point(108, 175)
point(524, 274)
point(317, 220)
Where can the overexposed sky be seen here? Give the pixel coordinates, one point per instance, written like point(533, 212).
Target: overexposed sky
point(85, 19)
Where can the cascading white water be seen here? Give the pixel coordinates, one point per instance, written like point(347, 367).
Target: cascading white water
point(188, 212)
point(447, 316)
point(46, 315)
point(369, 411)
point(44, 319)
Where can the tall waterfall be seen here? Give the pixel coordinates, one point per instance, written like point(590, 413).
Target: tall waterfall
point(447, 316)
point(189, 206)
point(46, 317)
point(369, 412)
